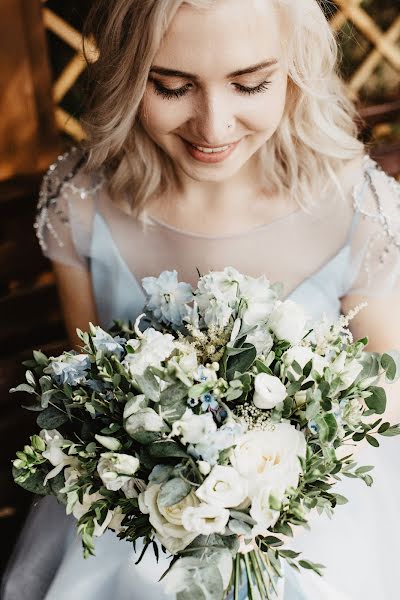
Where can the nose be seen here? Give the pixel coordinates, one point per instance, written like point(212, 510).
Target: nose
point(213, 115)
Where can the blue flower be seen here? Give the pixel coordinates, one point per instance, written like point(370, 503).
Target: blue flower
point(104, 341)
point(208, 402)
point(313, 427)
point(68, 368)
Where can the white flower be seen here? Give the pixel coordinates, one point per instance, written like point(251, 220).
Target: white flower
point(133, 486)
point(210, 446)
point(223, 487)
point(116, 520)
point(81, 508)
point(194, 428)
point(204, 467)
point(153, 348)
point(261, 340)
point(145, 420)
point(217, 295)
point(54, 453)
point(302, 355)
point(167, 521)
point(116, 469)
point(205, 374)
point(168, 297)
point(268, 391)
point(261, 511)
point(260, 299)
point(347, 370)
point(288, 321)
point(205, 519)
point(262, 455)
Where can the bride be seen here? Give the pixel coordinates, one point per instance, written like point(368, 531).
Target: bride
point(219, 134)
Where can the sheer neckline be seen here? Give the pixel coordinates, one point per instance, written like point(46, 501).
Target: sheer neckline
point(239, 234)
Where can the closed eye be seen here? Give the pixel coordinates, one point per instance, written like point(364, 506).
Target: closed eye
point(182, 91)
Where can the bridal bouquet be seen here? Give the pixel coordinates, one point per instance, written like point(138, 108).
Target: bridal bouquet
point(211, 427)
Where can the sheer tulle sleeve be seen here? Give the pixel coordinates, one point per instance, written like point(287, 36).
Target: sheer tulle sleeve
point(65, 210)
point(375, 237)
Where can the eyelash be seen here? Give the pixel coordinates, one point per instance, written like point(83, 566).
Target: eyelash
point(179, 92)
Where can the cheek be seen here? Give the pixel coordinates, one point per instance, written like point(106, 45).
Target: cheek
point(269, 111)
point(160, 116)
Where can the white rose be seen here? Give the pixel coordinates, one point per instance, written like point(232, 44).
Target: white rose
point(223, 487)
point(167, 521)
point(116, 469)
point(192, 428)
point(268, 391)
point(145, 420)
point(288, 321)
point(260, 455)
point(347, 370)
point(205, 519)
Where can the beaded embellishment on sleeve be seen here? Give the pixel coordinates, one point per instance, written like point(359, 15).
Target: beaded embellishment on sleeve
point(386, 239)
point(53, 187)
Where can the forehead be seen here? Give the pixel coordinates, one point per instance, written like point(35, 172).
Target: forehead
point(215, 41)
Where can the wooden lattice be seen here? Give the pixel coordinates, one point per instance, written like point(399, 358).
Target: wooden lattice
point(385, 48)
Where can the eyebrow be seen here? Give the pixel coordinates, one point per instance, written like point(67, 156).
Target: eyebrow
point(252, 69)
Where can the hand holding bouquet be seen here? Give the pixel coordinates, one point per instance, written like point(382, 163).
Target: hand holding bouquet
point(210, 427)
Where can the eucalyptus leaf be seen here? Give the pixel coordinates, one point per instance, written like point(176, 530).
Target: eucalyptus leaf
point(51, 418)
point(149, 385)
point(173, 491)
point(377, 400)
point(390, 362)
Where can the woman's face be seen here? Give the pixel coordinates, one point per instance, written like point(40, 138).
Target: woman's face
point(193, 91)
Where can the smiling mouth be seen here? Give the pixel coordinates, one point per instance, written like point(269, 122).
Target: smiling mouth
point(212, 149)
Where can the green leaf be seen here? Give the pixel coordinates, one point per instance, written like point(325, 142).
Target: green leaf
point(340, 499)
point(51, 418)
point(242, 361)
point(307, 564)
point(392, 431)
point(23, 387)
point(273, 541)
point(371, 440)
point(167, 449)
point(173, 393)
point(34, 483)
point(173, 491)
point(40, 358)
point(390, 362)
point(377, 401)
point(149, 385)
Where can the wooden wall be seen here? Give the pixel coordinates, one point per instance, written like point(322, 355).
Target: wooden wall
point(28, 138)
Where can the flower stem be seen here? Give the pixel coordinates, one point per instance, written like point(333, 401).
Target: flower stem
point(237, 577)
point(250, 589)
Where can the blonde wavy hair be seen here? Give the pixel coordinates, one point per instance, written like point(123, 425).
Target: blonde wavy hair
point(316, 135)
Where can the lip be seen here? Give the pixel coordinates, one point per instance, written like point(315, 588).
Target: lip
point(210, 158)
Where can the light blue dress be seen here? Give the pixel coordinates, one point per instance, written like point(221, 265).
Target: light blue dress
point(360, 546)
